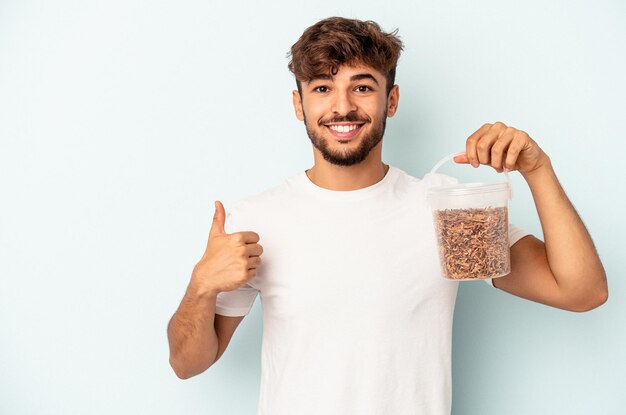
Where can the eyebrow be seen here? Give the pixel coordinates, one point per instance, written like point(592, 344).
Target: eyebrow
point(363, 76)
point(353, 78)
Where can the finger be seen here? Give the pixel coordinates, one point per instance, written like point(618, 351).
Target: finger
point(461, 159)
point(484, 144)
point(254, 250)
point(245, 237)
point(219, 218)
point(254, 262)
point(470, 145)
point(517, 145)
point(500, 148)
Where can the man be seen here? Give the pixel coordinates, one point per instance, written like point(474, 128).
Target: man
point(357, 319)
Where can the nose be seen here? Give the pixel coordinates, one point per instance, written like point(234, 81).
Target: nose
point(343, 103)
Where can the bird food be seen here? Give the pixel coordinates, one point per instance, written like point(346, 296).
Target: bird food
point(473, 242)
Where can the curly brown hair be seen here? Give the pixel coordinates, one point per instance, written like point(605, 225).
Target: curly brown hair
point(337, 41)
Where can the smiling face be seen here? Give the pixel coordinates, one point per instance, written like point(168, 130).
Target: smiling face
point(345, 114)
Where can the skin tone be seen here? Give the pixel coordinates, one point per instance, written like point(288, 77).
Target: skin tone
point(197, 336)
point(565, 271)
point(345, 119)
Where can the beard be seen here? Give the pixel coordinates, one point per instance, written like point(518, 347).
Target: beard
point(347, 157)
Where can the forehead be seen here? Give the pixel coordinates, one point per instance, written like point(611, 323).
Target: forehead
point(351, 73)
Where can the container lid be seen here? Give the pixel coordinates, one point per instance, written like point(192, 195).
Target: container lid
point(465, 189)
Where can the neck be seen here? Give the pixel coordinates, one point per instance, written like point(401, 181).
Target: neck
point(344, 178)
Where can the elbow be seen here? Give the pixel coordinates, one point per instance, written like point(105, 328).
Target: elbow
point(600, 299)
point(184, 372)
point(602, 293)
point(182, 375)
point(180, 372)
point(592, 301)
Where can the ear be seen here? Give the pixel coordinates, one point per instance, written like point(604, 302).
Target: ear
point(392, 100)
point(297, 105)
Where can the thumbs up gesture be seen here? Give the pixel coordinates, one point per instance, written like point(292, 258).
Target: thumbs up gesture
point(229, 261)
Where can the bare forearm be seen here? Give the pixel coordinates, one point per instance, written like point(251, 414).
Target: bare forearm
point(191, 334)
point(570, 251)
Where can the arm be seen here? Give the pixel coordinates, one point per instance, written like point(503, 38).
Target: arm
point(565, 271)
point(197, 336)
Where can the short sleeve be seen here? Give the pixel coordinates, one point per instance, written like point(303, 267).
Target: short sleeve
point(237, 302)
point(515, 234)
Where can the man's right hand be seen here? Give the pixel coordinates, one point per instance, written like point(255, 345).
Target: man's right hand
point(229, 261)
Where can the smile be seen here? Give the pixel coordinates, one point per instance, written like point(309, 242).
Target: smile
point(344, 130)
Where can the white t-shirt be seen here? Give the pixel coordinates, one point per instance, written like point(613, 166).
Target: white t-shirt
point(356, 316)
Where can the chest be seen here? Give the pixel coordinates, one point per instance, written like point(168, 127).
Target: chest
point(368, 263)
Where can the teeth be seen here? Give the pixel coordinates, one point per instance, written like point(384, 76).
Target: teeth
point(343, 128)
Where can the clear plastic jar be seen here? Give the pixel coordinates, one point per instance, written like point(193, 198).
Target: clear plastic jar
point(471, 225)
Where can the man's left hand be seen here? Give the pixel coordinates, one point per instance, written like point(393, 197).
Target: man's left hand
point(503, 147)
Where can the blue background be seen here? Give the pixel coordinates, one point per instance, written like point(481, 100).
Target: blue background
point(122, 121)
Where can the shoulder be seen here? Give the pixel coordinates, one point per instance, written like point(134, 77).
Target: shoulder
point(272, 195)
point(266, 203)
point(409, 181)
point(437, 179)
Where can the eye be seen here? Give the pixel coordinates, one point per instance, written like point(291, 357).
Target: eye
point(321, 89)
point(363, 88)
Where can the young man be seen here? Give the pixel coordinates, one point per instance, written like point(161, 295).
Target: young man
point(357, 319)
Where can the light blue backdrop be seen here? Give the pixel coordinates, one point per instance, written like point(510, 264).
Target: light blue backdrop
point(122, 121)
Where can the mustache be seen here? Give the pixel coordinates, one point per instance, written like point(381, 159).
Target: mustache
point(350, 117)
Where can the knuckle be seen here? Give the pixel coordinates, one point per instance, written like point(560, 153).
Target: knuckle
point(499, 124)
point(482, 146)
point(198, 268)
point(517, 143)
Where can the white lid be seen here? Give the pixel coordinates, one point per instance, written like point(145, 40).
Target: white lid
point(466, 189)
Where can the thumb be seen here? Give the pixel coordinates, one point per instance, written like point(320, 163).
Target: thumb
point(219, 218)
point(461, 159)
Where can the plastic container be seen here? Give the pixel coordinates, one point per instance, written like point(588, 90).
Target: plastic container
point(472, 228)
